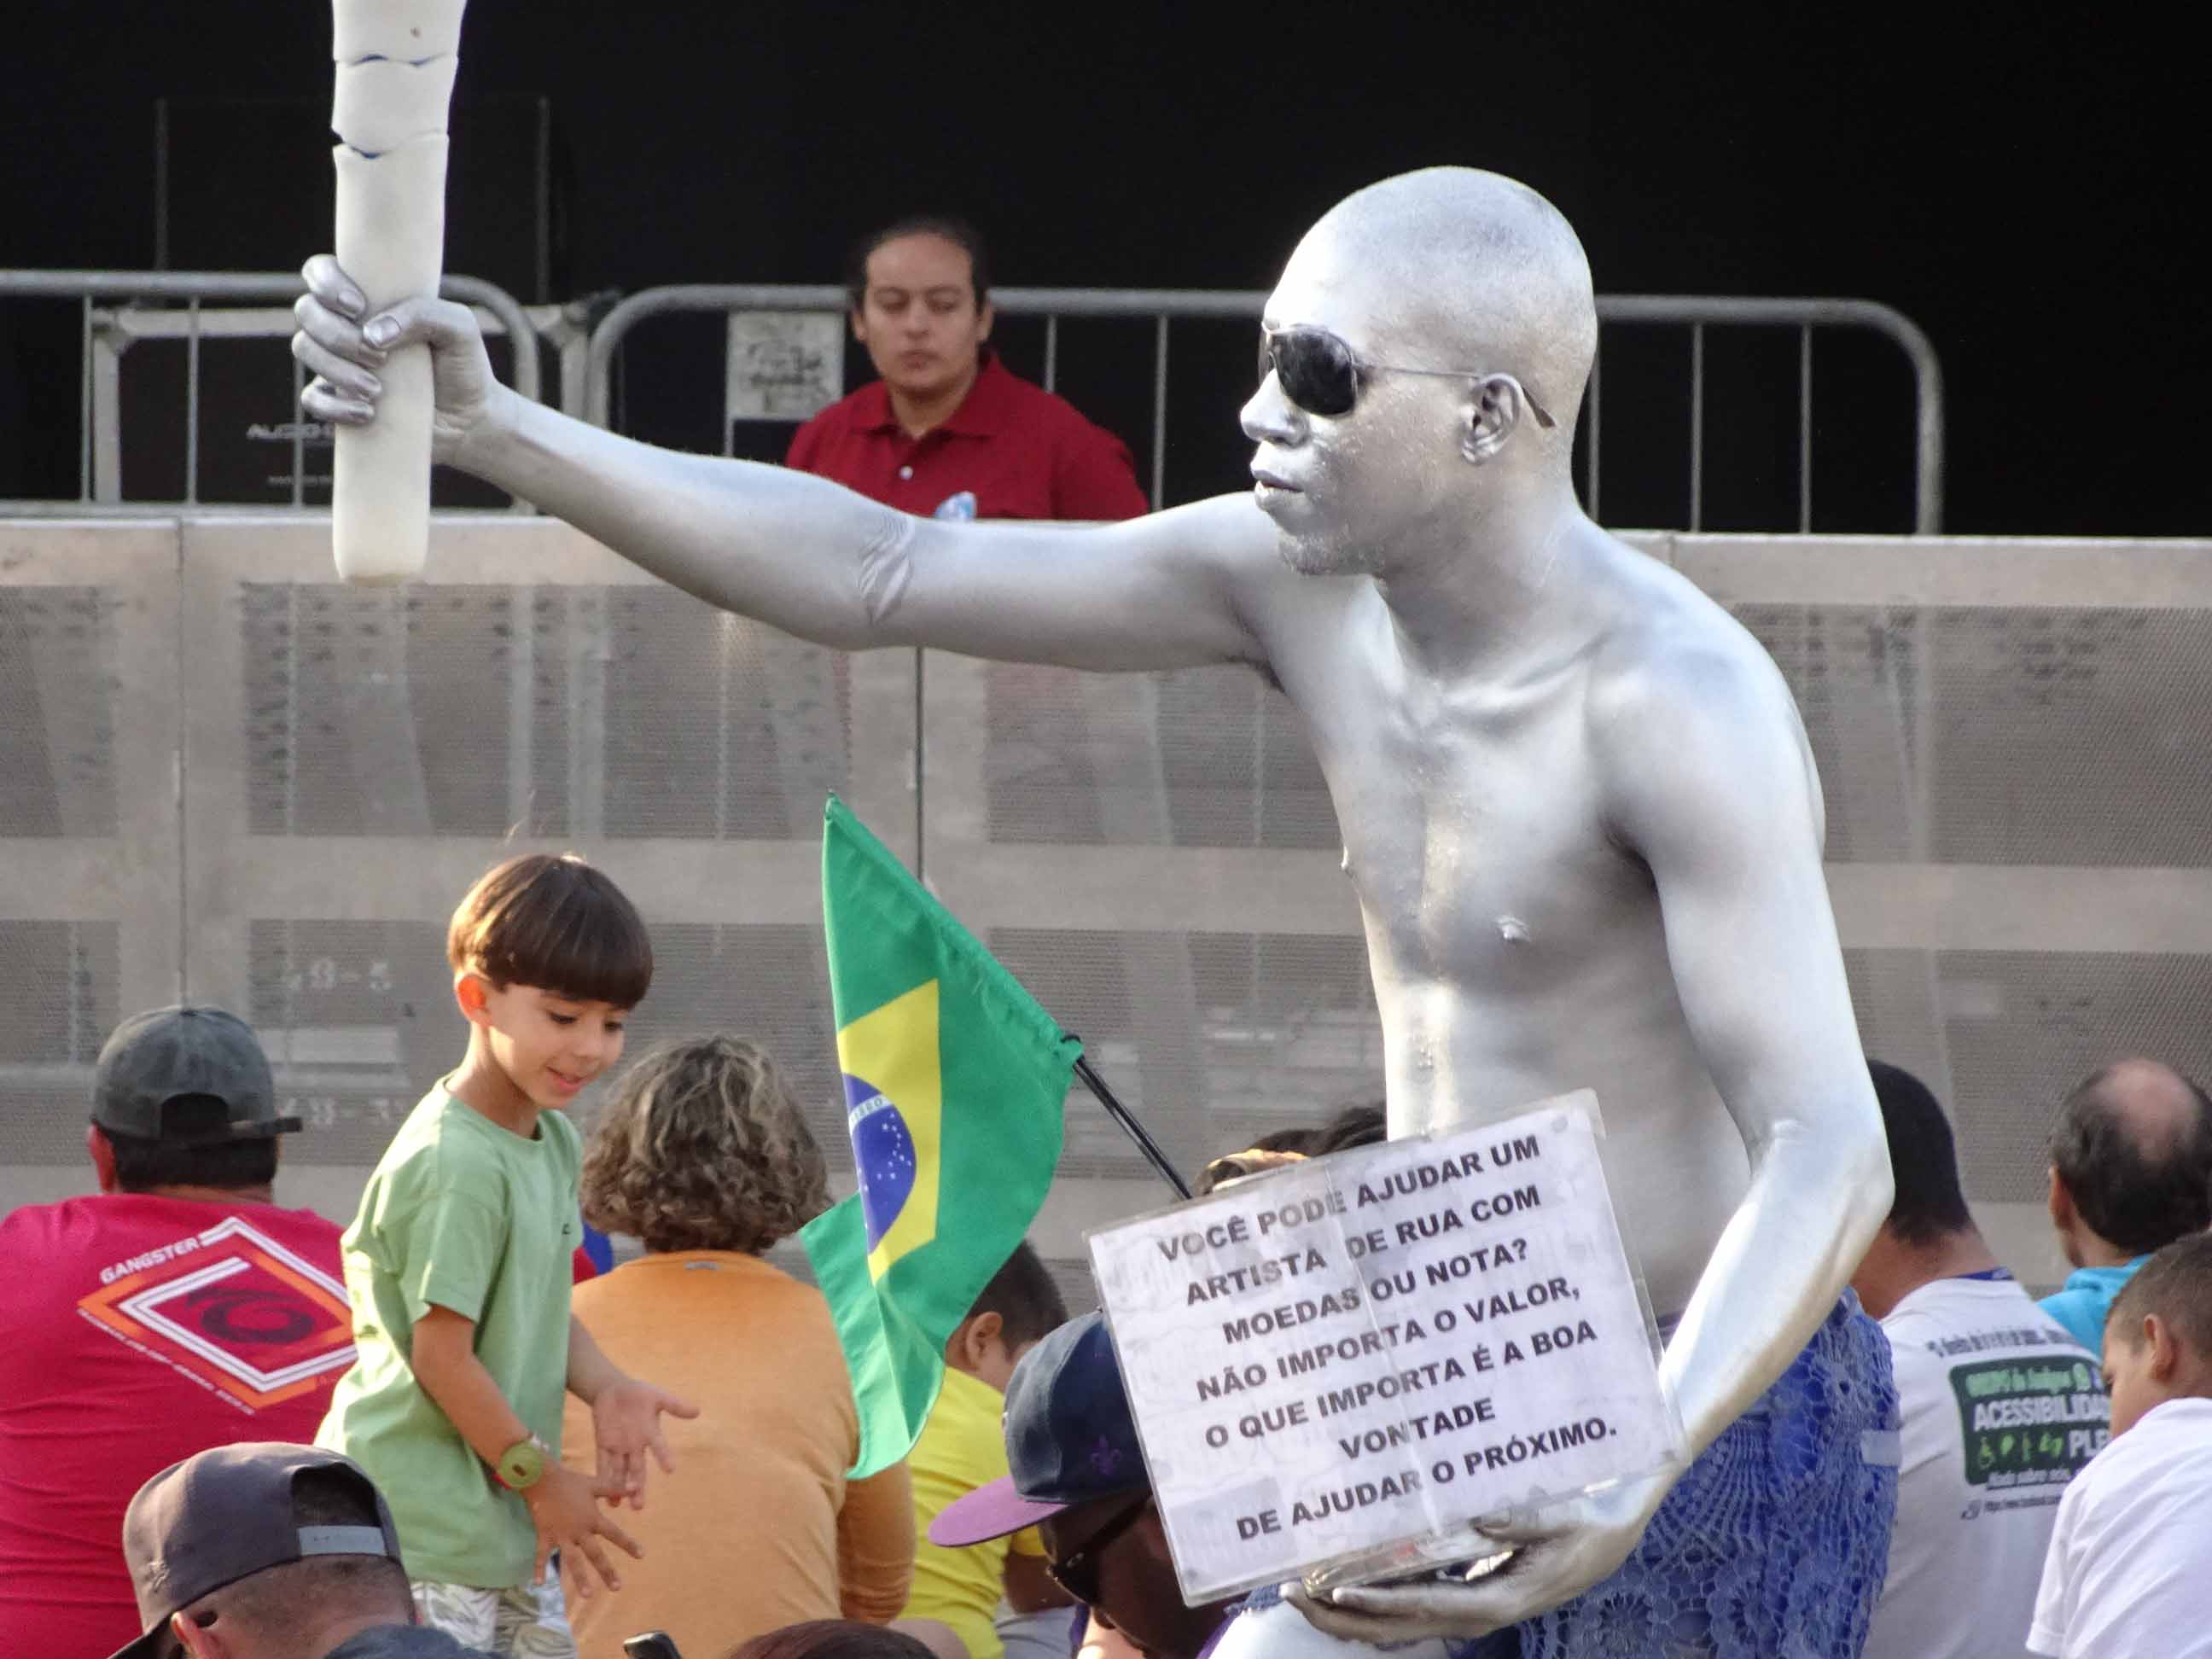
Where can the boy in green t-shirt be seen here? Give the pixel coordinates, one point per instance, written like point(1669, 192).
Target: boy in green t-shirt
point(459, 1267)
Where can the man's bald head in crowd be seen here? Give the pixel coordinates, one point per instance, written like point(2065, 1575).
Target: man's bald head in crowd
point(2132, 1152)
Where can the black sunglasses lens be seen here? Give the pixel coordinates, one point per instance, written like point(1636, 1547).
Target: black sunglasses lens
point(1315, 369)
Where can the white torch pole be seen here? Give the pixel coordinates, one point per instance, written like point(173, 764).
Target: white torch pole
point(395, 60)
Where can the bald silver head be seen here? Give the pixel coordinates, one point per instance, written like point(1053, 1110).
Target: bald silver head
point(1448, 268)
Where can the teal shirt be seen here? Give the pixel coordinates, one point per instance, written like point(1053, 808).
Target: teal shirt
point(463, 1214)
point(2084, 1300)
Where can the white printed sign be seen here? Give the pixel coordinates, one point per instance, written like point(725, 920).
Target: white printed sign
point(1376, 1347)
point(784, 365)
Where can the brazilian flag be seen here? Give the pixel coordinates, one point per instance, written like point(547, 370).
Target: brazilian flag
point(955, 1080)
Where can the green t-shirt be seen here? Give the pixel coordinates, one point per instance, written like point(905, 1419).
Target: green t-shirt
point(460, 1213)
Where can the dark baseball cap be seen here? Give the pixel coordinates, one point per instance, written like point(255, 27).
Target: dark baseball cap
point(225, 1514)
point(187, 1076)
point(1069, 1439)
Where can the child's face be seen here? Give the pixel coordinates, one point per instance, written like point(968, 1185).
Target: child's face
point(2130, 1377)
point(550, 1046)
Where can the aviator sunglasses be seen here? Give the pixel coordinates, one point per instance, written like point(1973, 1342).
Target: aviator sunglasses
point(1321, 372)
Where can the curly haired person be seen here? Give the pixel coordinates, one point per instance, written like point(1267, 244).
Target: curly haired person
point(702, 1154)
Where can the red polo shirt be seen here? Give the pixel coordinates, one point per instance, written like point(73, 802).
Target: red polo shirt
point(1019, 450)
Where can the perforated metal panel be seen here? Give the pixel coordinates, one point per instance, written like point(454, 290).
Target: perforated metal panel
point(56, 721)
point(90, 905)
point(1278, 1029)
point(56, 784)
point(221, 772)
point(358, 756)
point(1221, 757)
point(58, 1012)
point(467, 710)
point(1988, 735)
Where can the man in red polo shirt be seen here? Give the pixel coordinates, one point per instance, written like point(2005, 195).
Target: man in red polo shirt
point(949, 432)
point(177, 1309)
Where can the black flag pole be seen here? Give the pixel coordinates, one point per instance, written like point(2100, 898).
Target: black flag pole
point(1122, 1115)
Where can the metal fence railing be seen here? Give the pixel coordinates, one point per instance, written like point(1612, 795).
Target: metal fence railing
point(1164, 307)
point(120, 309)
point(116, 310)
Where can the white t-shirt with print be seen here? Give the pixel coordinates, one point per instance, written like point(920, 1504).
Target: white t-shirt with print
point(2001, 1409)
point(2129, 1571)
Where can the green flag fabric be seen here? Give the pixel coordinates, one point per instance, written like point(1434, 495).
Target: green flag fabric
point(955, 1083)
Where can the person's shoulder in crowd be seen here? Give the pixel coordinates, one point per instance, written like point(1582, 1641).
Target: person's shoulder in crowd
point(864, 407)
point(442, 1154)
point(1094, 475)
point(62, 1223)
point(2129, 1569)
point(2131, 1558)
point(1935, 1310)
point(1053, 460)
point(446, 1147)
point(1045, 410)
point(799, 1311)
point(2079, 1306)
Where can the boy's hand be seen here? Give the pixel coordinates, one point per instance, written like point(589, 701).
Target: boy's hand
point(564, 1507)
point(626, 1423)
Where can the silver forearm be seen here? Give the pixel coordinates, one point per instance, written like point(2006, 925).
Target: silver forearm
point(1814, 1205)
point(803, 554)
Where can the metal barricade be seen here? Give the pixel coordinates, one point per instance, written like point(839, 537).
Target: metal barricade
point(224, 775)
point(1696, 312)
point(107, 333)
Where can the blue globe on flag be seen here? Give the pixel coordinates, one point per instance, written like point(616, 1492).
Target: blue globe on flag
point(882, 1152)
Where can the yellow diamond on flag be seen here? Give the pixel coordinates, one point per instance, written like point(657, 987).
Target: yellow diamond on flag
point(894, 1102)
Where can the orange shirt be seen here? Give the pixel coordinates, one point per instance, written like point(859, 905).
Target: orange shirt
point(757, 1528)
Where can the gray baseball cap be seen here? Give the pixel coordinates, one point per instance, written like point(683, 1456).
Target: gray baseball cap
point(190, 1056)
point(225, 1514)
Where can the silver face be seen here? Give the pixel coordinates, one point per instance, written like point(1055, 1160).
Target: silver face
point(1349, 494)
point(1577, 807)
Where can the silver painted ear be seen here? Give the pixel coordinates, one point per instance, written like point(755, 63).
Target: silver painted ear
point(1486, 433)
point(1484, 439)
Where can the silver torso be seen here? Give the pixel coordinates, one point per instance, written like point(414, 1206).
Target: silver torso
point(1517, 945)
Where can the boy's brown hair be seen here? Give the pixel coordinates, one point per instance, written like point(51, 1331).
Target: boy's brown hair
point(2176, 1284)
point(553, 921)
point(1024, 1296)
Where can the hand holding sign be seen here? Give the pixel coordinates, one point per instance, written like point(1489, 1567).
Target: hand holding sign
point(1336, 1369)
point(1555, 1552)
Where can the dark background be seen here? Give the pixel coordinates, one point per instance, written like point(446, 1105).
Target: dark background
point(2023, 181)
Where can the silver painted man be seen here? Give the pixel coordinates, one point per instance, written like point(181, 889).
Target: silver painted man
point(1578, 805)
